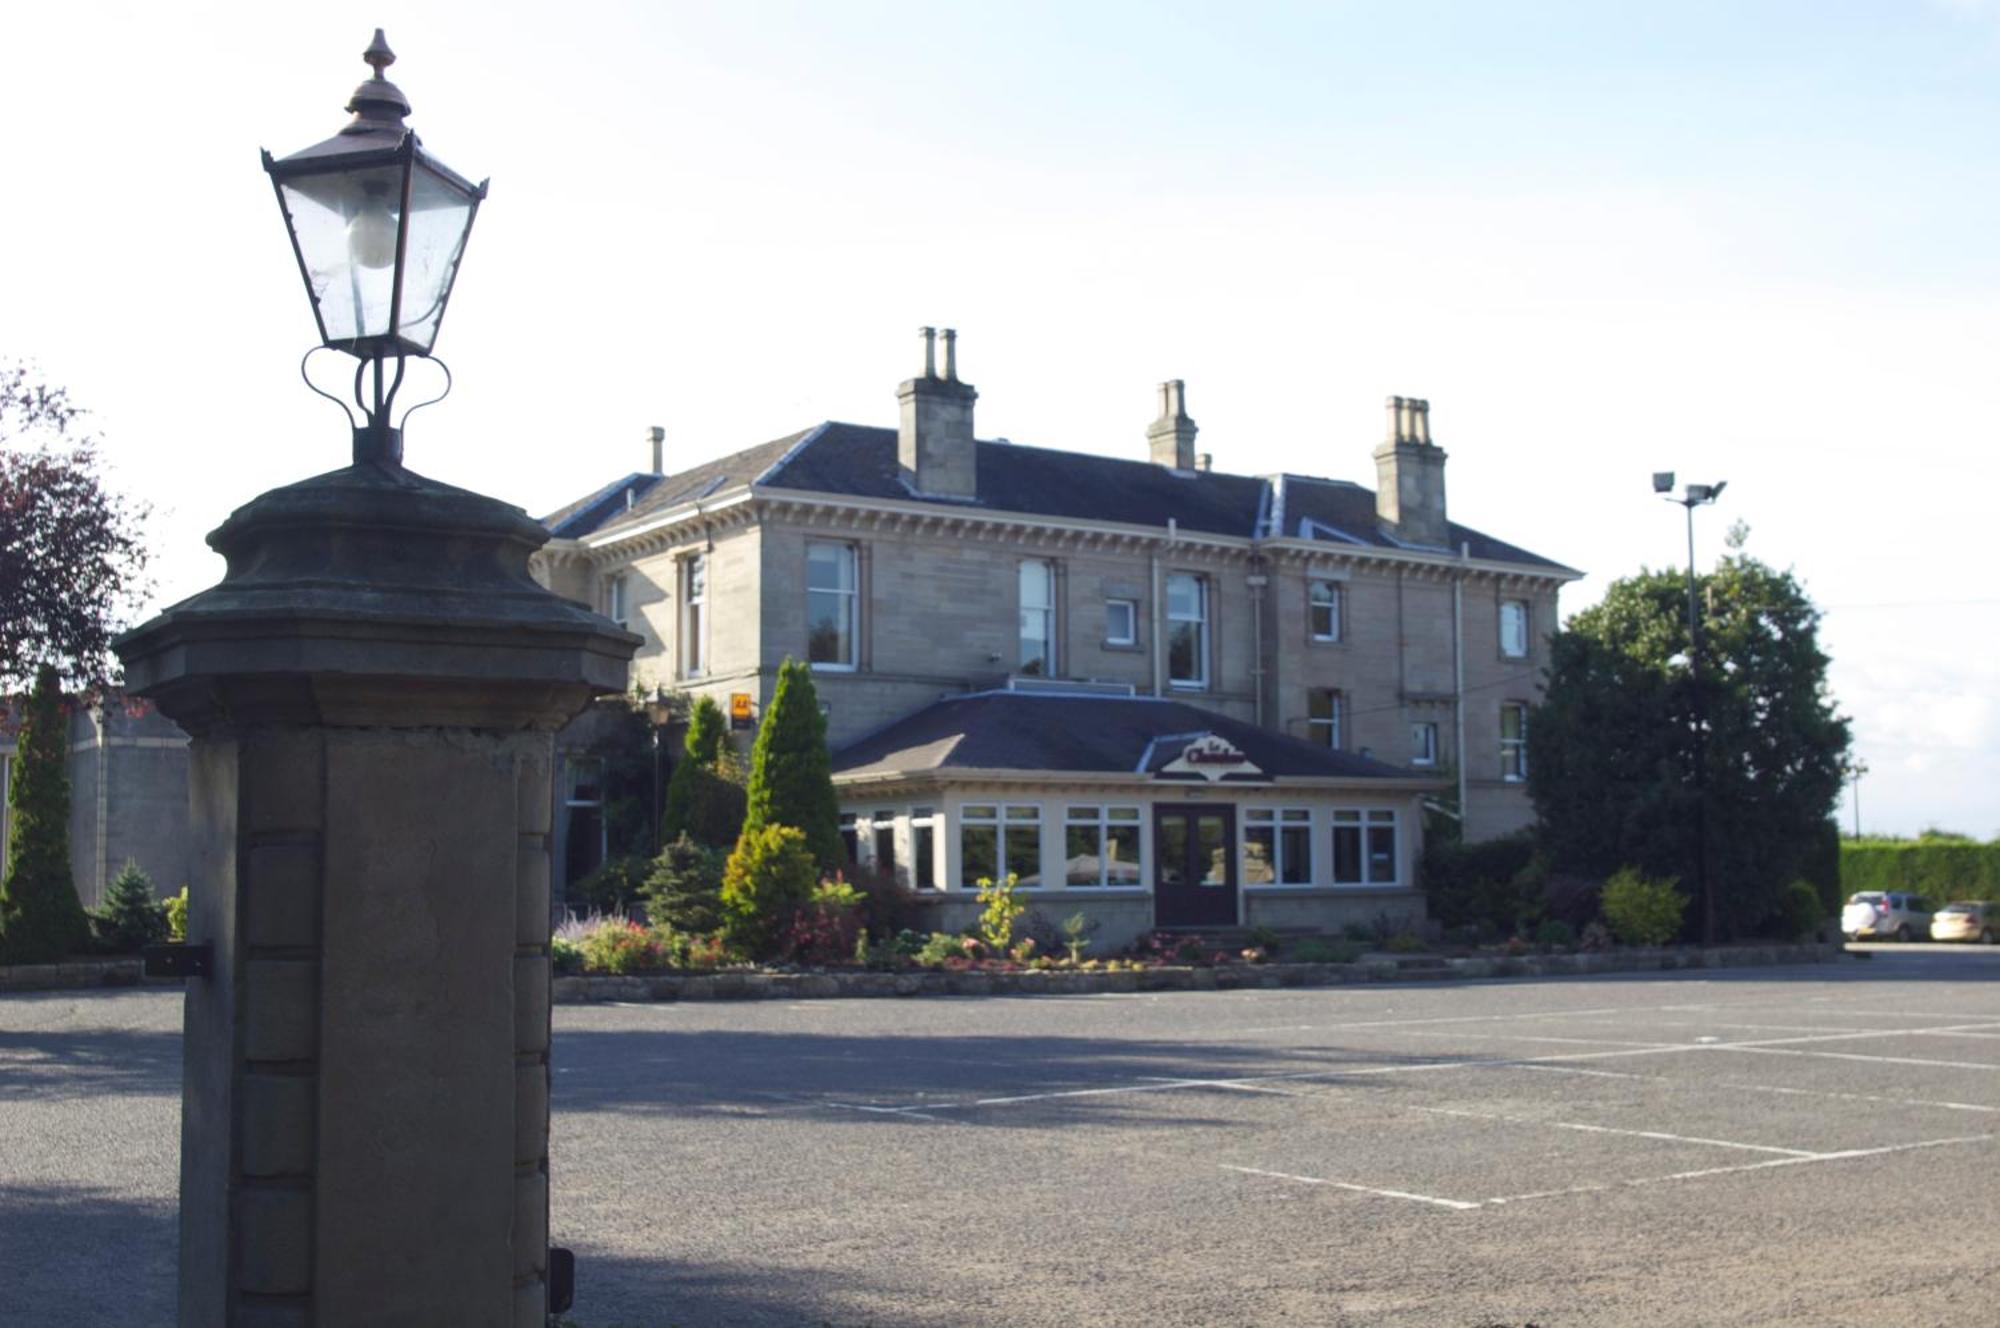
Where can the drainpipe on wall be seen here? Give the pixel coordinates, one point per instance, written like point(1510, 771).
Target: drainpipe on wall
point(1458, 671)
point(1257, 581)
point(1159, 611)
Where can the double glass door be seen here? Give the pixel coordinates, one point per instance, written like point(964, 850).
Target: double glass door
point(1194, 866)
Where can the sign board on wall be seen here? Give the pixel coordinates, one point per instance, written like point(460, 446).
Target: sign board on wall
point(1212, 758)
point(740, 716)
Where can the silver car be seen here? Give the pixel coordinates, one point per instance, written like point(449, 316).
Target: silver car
point(1874, 915)
point(1967, 920)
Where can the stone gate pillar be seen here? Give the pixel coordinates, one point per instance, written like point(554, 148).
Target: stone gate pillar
point(372, 691)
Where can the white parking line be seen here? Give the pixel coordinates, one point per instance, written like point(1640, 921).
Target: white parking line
point(1874, 1098)
point(1601, 1187)
point(1849, 1056)
point(1459, 1204)
point(1582, 1128)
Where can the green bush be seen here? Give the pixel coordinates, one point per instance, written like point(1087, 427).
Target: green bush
point(176, 910)
point(942, 945)
point(1315, 951)
point(683, 889)
point(131, 916)
point(767, 880)
point(1800, 911)
point(566, 955)
point(618, 947)
point(1643, 911)
point(1404, 942)
point(1555, 934)
point(1494, 882)
point(612, 888)
point(1001, 906)
point(706, 731)
point(1076, 930)
point(41, 919)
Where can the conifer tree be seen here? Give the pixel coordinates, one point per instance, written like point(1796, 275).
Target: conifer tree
point(41, 919)
point(791, 773)
point(699, 750)
point(132, 915)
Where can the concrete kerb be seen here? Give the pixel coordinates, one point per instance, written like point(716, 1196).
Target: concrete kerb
point(1372, 968)
point(83, 974)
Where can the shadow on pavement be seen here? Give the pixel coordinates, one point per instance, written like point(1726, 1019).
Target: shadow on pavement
point(51, 1065)
point(92, 1258)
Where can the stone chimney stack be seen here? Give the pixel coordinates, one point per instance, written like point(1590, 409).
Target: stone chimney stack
point(1171, 437)
point(1409, 476)
point(934, 448)
point(658, 437)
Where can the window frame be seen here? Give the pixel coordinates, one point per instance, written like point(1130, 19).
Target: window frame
point(1283, 825)
point(850, 599)
point(1103, 818)
point(1203, 629)
point(1131, 608)
point(1423, 742)
point(923, 855)
point(694, 573)
point(618, 599)
point(1524, 612)
point(1514, 748)
point(1048, 665)
point(1334, 604)
point(1004, 817)
point(1329, 725)
point(1361, 825)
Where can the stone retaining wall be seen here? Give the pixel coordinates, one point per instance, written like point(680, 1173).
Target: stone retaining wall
point(74, 974)
point(1057, 982)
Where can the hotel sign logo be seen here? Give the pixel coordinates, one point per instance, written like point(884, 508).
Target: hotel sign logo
point(1212, 758)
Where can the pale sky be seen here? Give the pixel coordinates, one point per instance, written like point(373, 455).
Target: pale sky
point(1743, 241)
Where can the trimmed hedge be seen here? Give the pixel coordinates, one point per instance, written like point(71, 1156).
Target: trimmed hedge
point(1941, 869)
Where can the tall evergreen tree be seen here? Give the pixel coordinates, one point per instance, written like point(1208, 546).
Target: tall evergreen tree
point(791, 772)
point(41, 919)
point(699, 750)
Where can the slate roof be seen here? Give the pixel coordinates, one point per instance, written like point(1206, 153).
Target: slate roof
point(1041, 733)
point(859, 461)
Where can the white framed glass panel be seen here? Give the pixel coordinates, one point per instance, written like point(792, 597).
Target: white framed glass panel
point(832, 605)
point(923, 848)
point(1021, 843)
point(694, 598)
point(1323, 706)
point(1323, 611)
point(1381, 848)
point(978, 846)
point(882, 849)
point(1513, 742)
point(614, 598)
point(1423, 743)
point(1347, 856)
point(1514, 628)
point(1121, 622)
point(1187, 630)
point(1038, 619)
point(1101, 846)
point(1277, 846)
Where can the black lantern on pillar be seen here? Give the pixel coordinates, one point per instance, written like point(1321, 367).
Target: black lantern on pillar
point(378, 226)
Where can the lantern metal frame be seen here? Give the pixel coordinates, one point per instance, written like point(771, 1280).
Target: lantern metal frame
point(377, 140)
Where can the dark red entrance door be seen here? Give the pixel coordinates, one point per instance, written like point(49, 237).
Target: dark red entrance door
point(1194, 866)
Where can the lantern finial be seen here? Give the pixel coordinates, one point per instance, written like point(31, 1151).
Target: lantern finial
point(377, 104)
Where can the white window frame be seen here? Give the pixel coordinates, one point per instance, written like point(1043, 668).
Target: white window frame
point(1514, 749)
point(1323, 596)
point(1324, 730)
point(1045, 611)
point(617, 605)
point(1363, 823)
point(852, 598)
point(924, 820)
point(1200, 682)
point(1102, 817)
point(1423, 742)
point(1277, 820)
point(1130, 607)
point(694, 615)
point(1000, 817)
point(1516, 617)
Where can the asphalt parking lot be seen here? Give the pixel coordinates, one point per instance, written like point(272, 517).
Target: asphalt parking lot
point(1799, 1146)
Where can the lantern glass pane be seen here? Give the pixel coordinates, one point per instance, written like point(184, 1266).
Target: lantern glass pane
point(440, 217)
point(346, 223)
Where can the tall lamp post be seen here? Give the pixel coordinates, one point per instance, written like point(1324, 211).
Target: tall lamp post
point(1693, 496)
point(1856, 768)
point(371, 693)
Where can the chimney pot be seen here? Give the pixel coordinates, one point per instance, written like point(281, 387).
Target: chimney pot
point(657, 436)
point(951, 355)
point(929, 334)
point(1171, 437)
